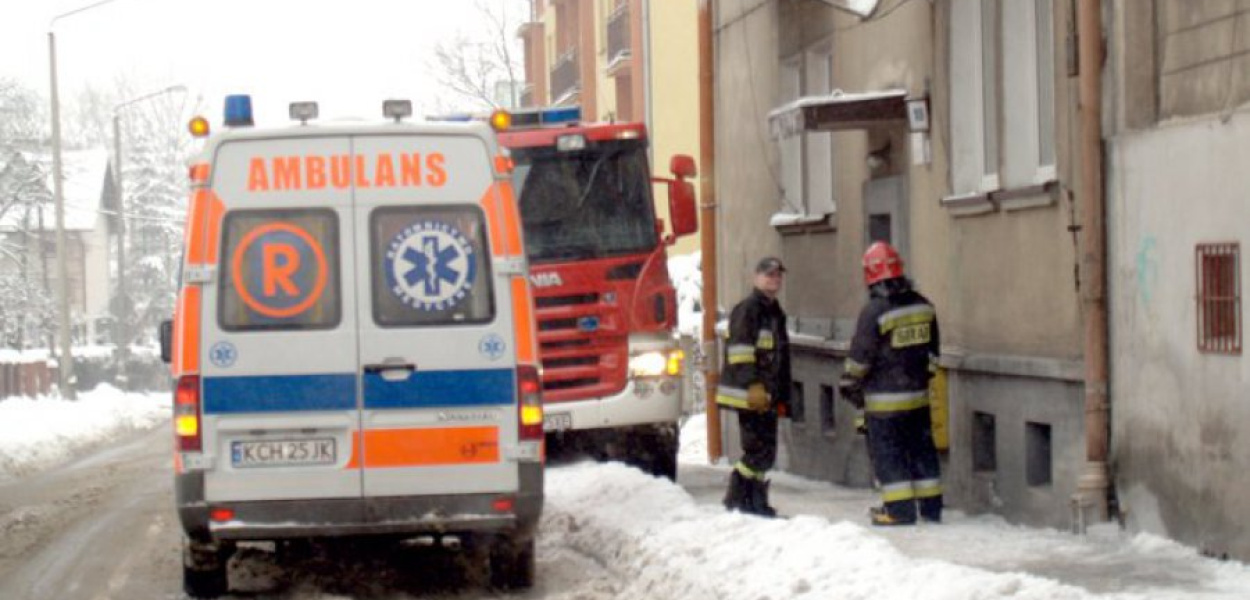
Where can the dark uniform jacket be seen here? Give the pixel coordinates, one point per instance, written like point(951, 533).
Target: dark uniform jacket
point(894, 352)
point(757, 351)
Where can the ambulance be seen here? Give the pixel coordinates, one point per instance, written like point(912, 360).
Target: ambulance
point(354, 343)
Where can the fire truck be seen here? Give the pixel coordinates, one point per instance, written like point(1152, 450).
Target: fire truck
point(605, 307)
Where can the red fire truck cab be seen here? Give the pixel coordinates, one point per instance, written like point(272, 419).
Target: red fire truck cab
point(606, 309)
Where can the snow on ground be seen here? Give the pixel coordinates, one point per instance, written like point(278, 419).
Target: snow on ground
point(661, 540)
point(36, 433)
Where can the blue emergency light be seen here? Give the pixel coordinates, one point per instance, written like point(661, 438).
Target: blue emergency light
point(563, 114)
point(239, 110)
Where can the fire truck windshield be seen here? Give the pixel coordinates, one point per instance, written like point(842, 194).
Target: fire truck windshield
point(589, 204)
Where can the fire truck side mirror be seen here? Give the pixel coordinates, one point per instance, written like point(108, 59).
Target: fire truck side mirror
point(682, 166)
point(681, 209)
point(167, 341)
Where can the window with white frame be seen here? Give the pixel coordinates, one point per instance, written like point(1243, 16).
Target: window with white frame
point(1001, 94)
point(807, 158)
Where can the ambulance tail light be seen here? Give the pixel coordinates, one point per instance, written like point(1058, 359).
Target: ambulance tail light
point(187, 414)
point(529, 402)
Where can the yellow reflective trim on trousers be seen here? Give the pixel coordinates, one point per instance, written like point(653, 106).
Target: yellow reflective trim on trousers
point(879, 403)
point(895, 492)
point(748, 472)
point(927, 488)
point(741, 360)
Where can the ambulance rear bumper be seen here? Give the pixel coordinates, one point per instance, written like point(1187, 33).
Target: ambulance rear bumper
point(397, 516)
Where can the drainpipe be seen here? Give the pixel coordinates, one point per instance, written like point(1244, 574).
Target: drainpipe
point(707, 229)
point(1093, 485)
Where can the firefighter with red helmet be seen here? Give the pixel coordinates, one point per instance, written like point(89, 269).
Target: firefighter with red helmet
point(755, 381)
point(893, 355)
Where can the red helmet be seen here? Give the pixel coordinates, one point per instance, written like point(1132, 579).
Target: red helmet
point(881, 262)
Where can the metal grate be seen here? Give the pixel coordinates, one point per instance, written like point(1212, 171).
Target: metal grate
point(1218, 279)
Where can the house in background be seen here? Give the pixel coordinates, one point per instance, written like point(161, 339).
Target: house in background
point(620, 60)
point(28, 233)
point(1178, 195)
point(948, 129)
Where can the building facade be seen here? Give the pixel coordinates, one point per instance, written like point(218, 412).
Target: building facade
point(946, 128)
point(1178, 137)
point(620, 60)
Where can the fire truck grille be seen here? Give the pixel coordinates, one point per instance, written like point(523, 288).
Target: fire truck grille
point(573, 300)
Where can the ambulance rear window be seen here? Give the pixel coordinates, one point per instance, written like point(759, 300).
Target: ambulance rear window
point(431, 266)
point(280, 270)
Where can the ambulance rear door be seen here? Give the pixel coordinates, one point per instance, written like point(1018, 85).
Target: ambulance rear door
point(436, 350)
point(280, 395)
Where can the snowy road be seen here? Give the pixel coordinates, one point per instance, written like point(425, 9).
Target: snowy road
point(103, 528)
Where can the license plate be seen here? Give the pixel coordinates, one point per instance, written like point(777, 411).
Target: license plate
point(557, 421)
point(282, 453)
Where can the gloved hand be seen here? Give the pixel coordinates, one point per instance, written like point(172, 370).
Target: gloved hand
point(757, 398)
point(861, 424)
point(852, 391)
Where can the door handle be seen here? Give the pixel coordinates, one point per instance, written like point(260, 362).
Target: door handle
point(390, 366)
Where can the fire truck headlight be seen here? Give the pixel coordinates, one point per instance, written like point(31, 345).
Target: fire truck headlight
point(649, 364)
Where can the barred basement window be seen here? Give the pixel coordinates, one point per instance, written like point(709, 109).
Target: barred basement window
point(1219, 298)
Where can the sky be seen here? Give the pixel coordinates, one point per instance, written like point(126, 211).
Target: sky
point(347, 55)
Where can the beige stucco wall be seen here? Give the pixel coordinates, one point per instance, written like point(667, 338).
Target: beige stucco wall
point(673, 90)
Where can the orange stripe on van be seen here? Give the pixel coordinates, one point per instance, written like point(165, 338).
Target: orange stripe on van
point(212, 237)
point(523, 321)
point(511, 220)
point(193, 237)
point(187, 331)
point(389, 448)
point(199, 173)
point(490, 206)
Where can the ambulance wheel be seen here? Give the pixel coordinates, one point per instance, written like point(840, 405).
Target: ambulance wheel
point(512, 563)
point(204, 570)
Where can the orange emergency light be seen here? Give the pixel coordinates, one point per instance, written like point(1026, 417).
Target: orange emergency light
point(198, 127)
point(500, 120)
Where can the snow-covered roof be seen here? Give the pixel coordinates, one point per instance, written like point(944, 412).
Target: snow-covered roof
point(84, 174)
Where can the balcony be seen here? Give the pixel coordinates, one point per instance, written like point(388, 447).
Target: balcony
point(565, 78)
point(619, 39)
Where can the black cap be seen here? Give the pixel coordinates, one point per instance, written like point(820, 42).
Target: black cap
point(769, 264)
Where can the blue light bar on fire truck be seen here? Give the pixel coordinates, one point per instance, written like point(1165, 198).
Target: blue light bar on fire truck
point(521, 119)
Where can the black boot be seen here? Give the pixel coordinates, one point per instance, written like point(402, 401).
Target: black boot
point(738, 495)
point(759, 499)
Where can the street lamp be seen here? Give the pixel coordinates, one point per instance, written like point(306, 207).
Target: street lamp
point(65, 370)
point(123, 322)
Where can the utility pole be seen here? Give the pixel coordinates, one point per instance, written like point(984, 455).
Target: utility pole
point(707, 228)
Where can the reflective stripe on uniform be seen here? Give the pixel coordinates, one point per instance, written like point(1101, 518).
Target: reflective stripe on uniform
point(855, 369)
point(765, 340)
point(893, 492)
point(878, 403)
point(748, 472)
point(731, 396)
point(927, 488)
point(739, 354)
point(908, 315)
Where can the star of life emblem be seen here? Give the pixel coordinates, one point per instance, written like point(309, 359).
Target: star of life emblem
point(430, 266)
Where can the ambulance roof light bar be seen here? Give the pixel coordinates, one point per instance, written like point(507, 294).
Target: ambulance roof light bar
point(397, 109)
point(239, 110)
point(303, 112)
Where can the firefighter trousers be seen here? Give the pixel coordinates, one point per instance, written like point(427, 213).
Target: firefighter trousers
point(905, 462)
point(759, 441)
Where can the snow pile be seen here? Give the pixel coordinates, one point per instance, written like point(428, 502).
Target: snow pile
point(661, 544)
point(684, 271)
point(36, 433)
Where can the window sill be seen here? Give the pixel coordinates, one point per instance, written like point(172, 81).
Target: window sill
point(1040, 195)
point(793, 224)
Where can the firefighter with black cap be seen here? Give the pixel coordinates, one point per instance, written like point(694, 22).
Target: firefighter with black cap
point(893, 355)
point(755, 381)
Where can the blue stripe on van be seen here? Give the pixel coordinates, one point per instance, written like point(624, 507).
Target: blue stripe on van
point(425, 389)
point(280, 393)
